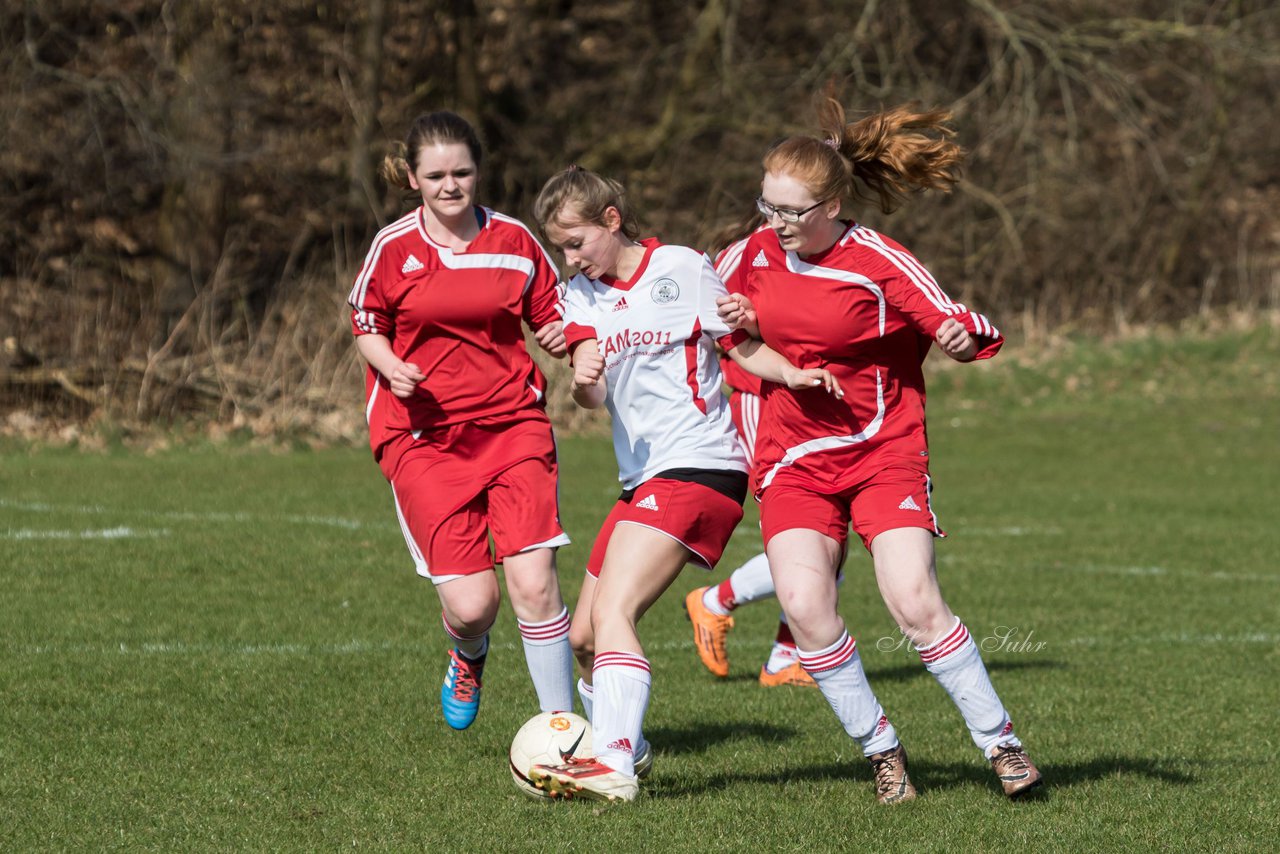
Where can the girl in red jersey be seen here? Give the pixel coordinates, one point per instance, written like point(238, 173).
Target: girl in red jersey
point(827, 292)
point(456, 411)
point(641, 321)
point(710, 608)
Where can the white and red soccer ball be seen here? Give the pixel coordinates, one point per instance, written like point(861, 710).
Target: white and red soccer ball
point(547, 739)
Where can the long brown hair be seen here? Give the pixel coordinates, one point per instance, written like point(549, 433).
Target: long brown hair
point(883, 157)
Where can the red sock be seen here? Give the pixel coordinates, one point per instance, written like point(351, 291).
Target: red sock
point(724, 592)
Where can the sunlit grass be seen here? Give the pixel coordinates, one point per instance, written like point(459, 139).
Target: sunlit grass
point(222, 648)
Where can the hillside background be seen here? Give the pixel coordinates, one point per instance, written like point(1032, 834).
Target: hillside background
point(188, 188)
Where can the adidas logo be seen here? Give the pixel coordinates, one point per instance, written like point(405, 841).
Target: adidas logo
point(622, 305)
point(882, 724)
point(649, 502)
point(622, 744)
point(760, 260)
point(908, 503)
point(411, 264)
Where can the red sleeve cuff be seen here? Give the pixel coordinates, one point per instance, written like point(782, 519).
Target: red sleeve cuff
point(733, 339)
point(987, 347)
point(575, 333)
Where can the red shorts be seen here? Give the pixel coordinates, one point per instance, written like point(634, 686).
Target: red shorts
point(893, 498)
point(458, 486)
point(696, 516)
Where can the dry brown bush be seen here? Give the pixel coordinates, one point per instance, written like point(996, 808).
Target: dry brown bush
point(187, 187)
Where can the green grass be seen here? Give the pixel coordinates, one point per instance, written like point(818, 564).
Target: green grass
point(221, 648)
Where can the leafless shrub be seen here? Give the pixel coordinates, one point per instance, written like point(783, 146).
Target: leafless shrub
point(186, 201)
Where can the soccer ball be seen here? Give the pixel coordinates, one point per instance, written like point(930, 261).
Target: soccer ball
point(547, 739)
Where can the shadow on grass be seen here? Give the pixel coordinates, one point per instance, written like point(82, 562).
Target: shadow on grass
point(905, 672)
point(932, 776)
point(703, 737)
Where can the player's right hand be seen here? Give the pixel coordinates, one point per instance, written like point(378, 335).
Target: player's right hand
point(736, 310)
point(588, 367)
point(405, 378)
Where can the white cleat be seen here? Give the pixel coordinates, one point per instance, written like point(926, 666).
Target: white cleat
point(585, 778)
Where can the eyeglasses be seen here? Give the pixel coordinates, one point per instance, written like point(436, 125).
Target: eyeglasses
point(784, 214)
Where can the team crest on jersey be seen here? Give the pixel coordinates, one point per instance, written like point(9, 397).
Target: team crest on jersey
point(665, 291)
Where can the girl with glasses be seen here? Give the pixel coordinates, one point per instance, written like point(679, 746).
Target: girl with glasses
point(827, 292)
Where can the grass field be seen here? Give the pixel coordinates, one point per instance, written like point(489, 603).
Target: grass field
point(225, 648)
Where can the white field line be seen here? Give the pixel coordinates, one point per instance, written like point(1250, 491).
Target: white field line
point(1162, 572)
point(1136, 571)
point(1007, 531)
point(1188, 638)
point(189, 516)
point(359, 647)
point(100, 534)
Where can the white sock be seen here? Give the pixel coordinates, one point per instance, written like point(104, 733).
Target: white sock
point(473, 648)
point(781, 656)
point(587, 694)
point(838, 671)
point(621, 682)
point(752, 582)
point(957, 665)
point(711, 599)
point(784, 652)
point(550, 660)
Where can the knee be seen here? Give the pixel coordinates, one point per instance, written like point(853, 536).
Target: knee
point(474, 617)
point(535, 592)
point(803, 609)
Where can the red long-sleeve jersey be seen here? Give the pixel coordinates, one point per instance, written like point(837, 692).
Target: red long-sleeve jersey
point(867, 310)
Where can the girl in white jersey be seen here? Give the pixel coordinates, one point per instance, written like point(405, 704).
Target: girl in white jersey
point(641, 325)
point(825, 290)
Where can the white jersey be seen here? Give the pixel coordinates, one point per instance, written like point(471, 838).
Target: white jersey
point(657, 333)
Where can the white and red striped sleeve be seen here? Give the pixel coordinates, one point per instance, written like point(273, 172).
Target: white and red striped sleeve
point(369, 311)
point(909, 287)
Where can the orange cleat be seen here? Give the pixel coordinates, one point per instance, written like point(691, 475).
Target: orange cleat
point(792, 674)
point(709, 633)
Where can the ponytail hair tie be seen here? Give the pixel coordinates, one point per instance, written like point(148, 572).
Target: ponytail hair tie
point(832, 142)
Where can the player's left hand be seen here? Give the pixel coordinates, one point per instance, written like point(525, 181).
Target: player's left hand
point(797, 378)
point(550, 337)
point(955, 340)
